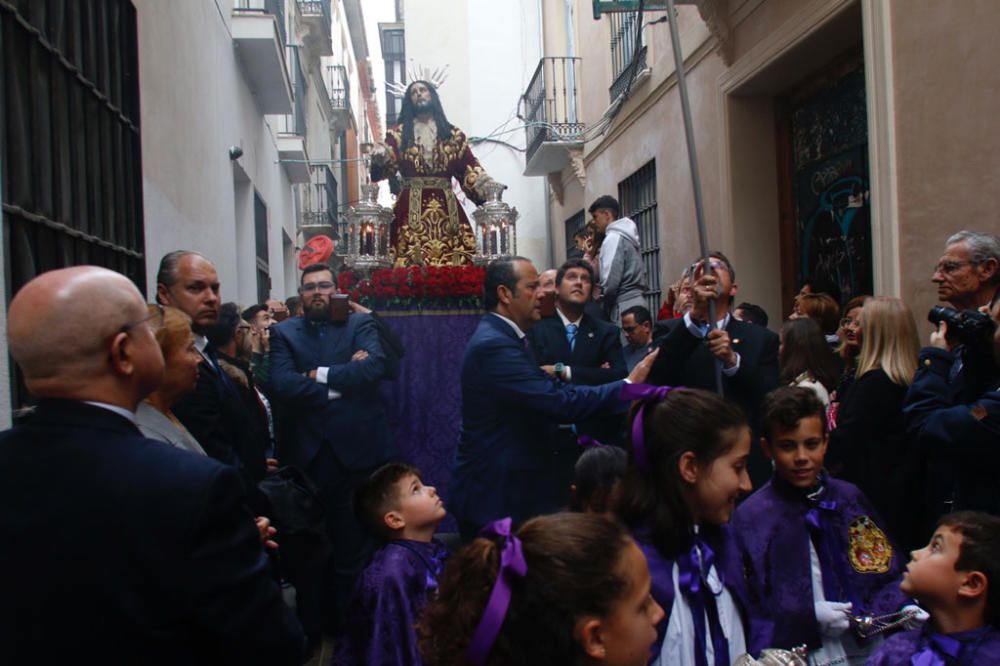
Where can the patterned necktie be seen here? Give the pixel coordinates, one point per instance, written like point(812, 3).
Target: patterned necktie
point(571, 335)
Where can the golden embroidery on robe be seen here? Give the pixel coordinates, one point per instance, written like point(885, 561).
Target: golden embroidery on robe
point(868, 546)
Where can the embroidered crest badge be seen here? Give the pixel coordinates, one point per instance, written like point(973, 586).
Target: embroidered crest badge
point(869, 548)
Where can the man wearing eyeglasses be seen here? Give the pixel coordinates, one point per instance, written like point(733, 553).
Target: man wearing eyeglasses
point(968, 273)
point(690, 347)
point(326, 374)
point(115, 544)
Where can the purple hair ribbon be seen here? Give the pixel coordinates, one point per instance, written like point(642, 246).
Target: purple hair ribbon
point(512, 565)
point(647, 394)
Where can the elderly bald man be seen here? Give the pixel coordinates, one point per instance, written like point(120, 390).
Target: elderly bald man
point(114, 545)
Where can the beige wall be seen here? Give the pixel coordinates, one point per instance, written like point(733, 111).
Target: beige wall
point(933, 93)
point(947, 95)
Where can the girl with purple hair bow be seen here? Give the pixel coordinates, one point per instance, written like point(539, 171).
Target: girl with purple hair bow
point(687, 468)
point(567, 589)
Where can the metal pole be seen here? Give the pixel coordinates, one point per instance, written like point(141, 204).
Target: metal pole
point(693, 160)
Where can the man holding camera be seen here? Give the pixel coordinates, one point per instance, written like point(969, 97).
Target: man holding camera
point(952, 409)
point(325, 368)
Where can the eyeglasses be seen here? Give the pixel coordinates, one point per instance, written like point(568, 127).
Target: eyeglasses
point(155, 320)
point(313, 286)
point(847, 322)
point(949, 267)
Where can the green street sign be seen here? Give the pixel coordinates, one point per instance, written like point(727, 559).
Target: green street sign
point(610, 6)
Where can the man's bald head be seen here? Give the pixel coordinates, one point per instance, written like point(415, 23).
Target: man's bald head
point(64, 328)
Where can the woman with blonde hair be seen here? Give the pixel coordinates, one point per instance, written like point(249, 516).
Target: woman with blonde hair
point(180, 375)
point(868, 448)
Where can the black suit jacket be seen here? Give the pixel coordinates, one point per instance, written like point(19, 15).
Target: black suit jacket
point(684, 360)
point(216, 414)
point(597, 342)
point(128, 549)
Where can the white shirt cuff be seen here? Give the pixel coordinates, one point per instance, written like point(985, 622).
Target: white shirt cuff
point(729, 372)
point(321, 375)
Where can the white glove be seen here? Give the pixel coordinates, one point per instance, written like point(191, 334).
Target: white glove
point(833, 617)
point(918, 617)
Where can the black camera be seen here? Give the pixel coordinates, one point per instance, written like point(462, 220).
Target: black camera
point(965, 326)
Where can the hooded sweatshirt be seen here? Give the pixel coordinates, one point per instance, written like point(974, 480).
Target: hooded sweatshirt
point(622, 273)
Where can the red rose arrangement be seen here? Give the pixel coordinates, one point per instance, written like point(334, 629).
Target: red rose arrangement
point(416, 287)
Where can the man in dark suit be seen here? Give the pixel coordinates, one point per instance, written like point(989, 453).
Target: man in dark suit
point(576, 348)
point(116, 545)
point(214, 413)
point(326, 375)
point(510, 407)
point(690, 350)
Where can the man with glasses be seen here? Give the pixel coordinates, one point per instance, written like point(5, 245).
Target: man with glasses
point(116, 544)
point(326, 375)
point(968, 273)
point(691, 347)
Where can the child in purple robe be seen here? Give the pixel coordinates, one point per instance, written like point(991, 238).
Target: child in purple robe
point(687, 468)
point(566, 589)
point(813, 543)
point(953, 578)
point(390, 593)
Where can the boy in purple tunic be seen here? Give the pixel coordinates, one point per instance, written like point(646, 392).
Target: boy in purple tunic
point(401, 576)
point(953, 578)
point(812, 543)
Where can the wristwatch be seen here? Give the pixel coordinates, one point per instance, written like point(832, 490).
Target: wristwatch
point(558, 368)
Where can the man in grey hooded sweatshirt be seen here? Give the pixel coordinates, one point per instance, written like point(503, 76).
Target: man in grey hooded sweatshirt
point(623, 276)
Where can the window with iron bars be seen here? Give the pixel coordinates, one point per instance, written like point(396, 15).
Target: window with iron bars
point(69, 141)
point(637, 197)
point(625, 61)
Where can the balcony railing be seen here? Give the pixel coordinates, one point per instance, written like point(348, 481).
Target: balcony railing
point(626, 61)
point(318, 202)
point(315, 9)
point(338, 86)
point(275, 8)
point(550, 105)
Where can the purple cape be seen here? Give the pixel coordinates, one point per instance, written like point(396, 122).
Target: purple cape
point(773, 532)
point(388, 597)
point(731, 570)
point(980, 646)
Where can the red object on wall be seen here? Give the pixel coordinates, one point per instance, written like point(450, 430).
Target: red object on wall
point(316, 251)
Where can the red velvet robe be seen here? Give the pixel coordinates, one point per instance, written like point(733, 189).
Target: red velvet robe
point(430, 226)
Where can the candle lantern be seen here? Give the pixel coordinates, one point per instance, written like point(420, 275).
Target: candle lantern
point(496, 225)
point(368, 231)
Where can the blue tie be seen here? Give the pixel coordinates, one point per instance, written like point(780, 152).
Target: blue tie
point(571, 335)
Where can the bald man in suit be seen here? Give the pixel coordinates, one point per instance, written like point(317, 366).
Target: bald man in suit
point(115, 545)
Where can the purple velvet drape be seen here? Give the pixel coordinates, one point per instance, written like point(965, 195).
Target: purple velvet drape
point(424, 404)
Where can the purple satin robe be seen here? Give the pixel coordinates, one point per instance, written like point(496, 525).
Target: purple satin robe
point(388, 598)
point(773, 532)
point(978, 647)
point(728, 565)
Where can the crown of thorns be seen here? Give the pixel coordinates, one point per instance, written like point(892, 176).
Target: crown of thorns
point(435, 77)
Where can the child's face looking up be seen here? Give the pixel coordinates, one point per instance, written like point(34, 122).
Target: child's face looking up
point(798, 454)
point(931, 577)
point(717, 486)
point(419, 504)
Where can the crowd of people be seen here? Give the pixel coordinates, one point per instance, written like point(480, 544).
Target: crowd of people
point(207, 483)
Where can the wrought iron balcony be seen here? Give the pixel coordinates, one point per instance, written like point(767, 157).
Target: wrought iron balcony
point(317, 21)
point(339, 88)
point(318, 203)
point(550, 108)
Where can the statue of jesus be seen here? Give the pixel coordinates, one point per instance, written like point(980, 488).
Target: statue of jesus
point(427, 151)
